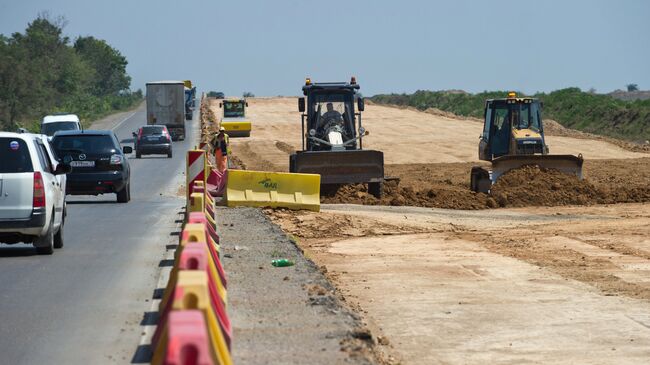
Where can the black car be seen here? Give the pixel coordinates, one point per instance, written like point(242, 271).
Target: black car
point(152, 139)
point(99, 165)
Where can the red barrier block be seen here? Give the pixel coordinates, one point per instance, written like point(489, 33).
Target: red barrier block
point(188, 342)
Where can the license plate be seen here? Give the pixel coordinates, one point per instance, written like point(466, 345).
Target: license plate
point(82, 163)
point(153, 138)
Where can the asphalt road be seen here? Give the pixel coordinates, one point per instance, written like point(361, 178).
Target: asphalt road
point(84, 304)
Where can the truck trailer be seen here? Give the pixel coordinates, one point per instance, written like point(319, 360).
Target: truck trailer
point(166, 106)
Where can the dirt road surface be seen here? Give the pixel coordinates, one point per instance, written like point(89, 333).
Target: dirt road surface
point(521, 286)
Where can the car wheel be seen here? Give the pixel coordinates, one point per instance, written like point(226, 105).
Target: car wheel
point(138, 154)
point(45, 244)
point(58, 237)
point(169, 154)
point(123, 196)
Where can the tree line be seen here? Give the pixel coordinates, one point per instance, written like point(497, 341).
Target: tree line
point(43, 72)
point(571, 107)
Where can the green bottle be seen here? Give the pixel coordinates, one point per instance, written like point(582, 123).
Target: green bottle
point(282, 263)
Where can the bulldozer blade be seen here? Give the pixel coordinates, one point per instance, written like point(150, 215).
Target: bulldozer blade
point(272, 189)
point(341, 167)
point(567, 164)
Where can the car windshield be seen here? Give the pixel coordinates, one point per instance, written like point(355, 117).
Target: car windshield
point(233, 109)
point(93, 144)
point(152, 130)
point(51, 128)
point(14, 156)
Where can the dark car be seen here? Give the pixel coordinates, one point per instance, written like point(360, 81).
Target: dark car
point(98, 163)
point(152, 139)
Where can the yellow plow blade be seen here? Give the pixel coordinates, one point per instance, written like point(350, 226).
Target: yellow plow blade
point(567, 164)
point(237, 129)
point(273, 189)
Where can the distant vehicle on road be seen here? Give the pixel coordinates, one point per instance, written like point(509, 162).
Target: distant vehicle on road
point(32, 192)
point(60, 122)
point(99, 165)
point(152, 139)
point(217, 95)
point(166, 106)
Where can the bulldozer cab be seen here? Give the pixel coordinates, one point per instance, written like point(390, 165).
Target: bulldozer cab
point(512, 126)
point(234, 108)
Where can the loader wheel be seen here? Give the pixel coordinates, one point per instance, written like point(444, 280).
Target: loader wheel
point(375, 188)
point(292, 163)
point(480, 180)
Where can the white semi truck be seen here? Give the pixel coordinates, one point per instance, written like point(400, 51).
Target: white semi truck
point(166, 106)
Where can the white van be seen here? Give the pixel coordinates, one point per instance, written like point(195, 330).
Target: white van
point(32, 192)
point(59, 122)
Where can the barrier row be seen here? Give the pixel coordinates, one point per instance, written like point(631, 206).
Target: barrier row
point(194, 327)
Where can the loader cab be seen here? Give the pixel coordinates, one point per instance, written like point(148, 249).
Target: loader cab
point(512, 126)
point(329, 115)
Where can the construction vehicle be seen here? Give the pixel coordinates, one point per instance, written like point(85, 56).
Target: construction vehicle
point(234, 117)
point(513, 136)
point(332, 137)
point(166, 106)
point(190, 99)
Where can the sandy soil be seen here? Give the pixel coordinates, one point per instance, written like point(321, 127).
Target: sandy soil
point(404, 135)
point(563, 285)
point(510, 286)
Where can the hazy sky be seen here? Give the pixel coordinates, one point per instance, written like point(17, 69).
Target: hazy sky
point(268, 47)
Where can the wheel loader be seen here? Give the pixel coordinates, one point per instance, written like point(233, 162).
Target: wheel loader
point(234, 117)
point(332, 137)
point(513, 136)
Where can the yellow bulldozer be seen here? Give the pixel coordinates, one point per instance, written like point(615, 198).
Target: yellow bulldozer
point(513, 136)
point(234, 117)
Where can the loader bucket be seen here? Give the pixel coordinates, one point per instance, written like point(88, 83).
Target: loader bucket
point(340, 167)
point(567, 164)
point(273, 189)
point(237, 128)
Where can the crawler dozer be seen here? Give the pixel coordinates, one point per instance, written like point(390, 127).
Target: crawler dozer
point(234, 117)
point(332, 137)
point(513, 136)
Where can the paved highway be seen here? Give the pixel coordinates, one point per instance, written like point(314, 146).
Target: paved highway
point(84, 304)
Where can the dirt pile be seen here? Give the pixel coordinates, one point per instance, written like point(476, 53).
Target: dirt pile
point(446, 186)
point(396, 194)
point(532, 185)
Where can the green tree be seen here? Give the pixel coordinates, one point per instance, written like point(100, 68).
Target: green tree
point(632, 87)
point(108, 64)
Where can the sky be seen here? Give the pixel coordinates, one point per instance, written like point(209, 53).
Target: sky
point(269, 47)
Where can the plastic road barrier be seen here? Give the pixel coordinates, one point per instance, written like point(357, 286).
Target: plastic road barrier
point(273, 189)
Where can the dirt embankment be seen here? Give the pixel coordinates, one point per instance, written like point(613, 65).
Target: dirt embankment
point(447, 186)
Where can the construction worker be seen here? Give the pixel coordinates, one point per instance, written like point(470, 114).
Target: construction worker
point(331, 114)
point(221, 147)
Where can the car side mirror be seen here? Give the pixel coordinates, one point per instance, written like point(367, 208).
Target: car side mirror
point(62, 168)
point(134, 134)
point(246, 103)
point(360, 104)
point(301, 105)
point(220, 105)
point(127, 149)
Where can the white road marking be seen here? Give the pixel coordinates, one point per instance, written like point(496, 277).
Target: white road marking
point(123, 120)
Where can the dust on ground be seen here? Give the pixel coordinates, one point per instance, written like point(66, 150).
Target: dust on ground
point(501, 286)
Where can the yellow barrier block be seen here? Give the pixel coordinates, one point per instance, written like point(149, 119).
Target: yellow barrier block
point(273, 189)
point(195, 204)
point(194, 286)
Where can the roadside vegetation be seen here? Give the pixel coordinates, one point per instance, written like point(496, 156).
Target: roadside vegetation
point(43, 72)
point(571, 107)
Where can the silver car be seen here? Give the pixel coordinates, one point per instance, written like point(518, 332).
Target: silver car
point(32, 192)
